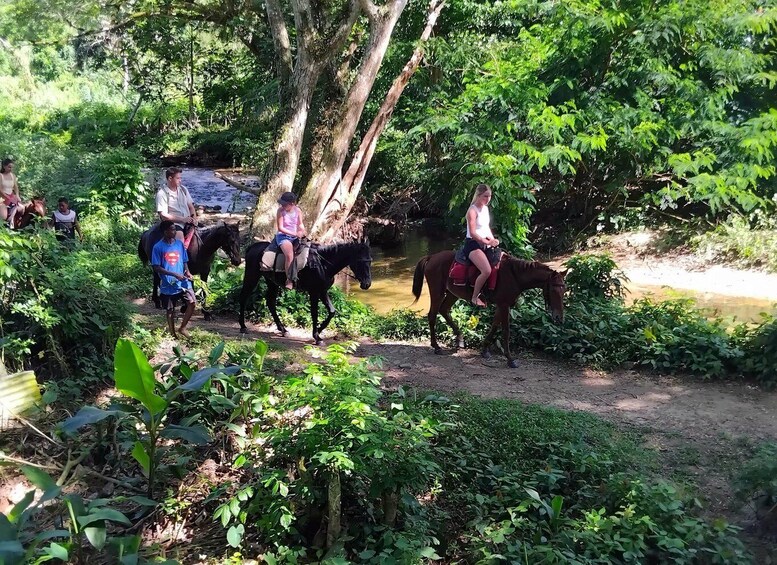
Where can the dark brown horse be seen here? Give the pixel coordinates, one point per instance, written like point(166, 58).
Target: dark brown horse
point(201, 252)
point(515, 276)
point(26, 212)
point(316, 279)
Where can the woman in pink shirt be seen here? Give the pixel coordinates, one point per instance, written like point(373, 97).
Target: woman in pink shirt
point(290, 228)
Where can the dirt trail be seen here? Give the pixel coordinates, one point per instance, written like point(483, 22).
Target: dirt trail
point(698, 410)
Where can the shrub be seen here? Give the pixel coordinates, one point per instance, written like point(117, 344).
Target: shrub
point(756, 483)
point(55, 306)
point(595, 276)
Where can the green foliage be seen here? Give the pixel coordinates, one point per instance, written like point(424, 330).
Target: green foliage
point(749, 241)
point(20, 543)
point(756, 483)
point(759, 346)
point(118, 185)
point(54, 305)
point(596, 277)
point(586, 110)
point(134, 377)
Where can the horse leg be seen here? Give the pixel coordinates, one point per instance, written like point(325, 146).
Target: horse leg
point(272, 305)
point(155, 290)
point(434, 308)
point(204, 278)
point(445, 309)
point(495, 323)
point(330, 308)
point(502, 317)
point(314, 317)
point(250, 280)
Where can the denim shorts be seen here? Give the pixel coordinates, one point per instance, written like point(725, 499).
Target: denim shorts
point(281, 237)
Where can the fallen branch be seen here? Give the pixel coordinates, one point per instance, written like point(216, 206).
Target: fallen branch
point(240, 186)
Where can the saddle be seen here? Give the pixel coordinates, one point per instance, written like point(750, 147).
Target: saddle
point(464, 273)
point(273, 260)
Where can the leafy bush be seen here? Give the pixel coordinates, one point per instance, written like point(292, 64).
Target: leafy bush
point(759, 345)
point(54, 305)
point(756, 484)
point(750, 241)
point(118, 185)
point(595, 276)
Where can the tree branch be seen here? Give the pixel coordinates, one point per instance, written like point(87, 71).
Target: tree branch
point(239, 185)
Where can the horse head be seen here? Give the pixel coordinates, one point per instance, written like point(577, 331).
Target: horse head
point(553, 292)
point(231, 245)
point(360, 263)
point(35, 207)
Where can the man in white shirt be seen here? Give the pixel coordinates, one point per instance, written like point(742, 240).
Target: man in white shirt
point(174, 203)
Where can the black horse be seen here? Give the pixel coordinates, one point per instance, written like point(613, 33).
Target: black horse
point(315, 280)
point(201, 251)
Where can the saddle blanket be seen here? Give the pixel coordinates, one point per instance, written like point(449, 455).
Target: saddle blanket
point(272, 258)
point(464, 275)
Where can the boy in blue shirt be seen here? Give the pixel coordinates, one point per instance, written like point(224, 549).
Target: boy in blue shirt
point(170, 261)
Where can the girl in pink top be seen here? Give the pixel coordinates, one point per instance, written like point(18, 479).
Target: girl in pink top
point(290, 228)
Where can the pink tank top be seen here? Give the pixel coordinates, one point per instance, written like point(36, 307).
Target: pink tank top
point(290, 220)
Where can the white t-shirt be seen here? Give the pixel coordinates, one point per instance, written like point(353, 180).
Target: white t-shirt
point(174, 203)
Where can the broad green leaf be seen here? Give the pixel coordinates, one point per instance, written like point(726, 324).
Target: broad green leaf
point(103, 514)
point(200, 378)
point(57, 551)
point(96, 535)
point(140, 455)
point(38, 478)
point(135, 377)
point(197, 435)
point(88, 415)
point(19, 508)
point(235, 535)
point(215, 353)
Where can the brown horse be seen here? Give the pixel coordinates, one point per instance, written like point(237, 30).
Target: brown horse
point(515, 276)
point(26, 212)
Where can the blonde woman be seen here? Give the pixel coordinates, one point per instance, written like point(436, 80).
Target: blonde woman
point(479, 237)
point(9, 193)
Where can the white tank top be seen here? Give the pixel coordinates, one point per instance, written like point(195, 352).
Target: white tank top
point(7, 181)
point(482, 222)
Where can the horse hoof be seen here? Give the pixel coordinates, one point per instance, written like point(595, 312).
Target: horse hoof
point(438, 351)
point(208, 317)
point(485, 354)
point(460, 344)
point(284, 333)
point(513, 363)
point(158, 305)
point(243, 330)
point(319, 342)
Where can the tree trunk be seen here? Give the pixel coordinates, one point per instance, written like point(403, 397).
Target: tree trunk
point(341, 192)
point(334, 504)
point(322, 186)
point(287, 147)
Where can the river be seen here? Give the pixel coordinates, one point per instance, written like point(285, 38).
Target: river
point(392, 269)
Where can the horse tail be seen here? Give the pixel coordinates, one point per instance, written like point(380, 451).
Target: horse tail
point(142, 252)
point(418, 277)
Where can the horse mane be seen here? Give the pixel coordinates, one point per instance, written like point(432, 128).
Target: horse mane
point(336, 247)
point(529, 265)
